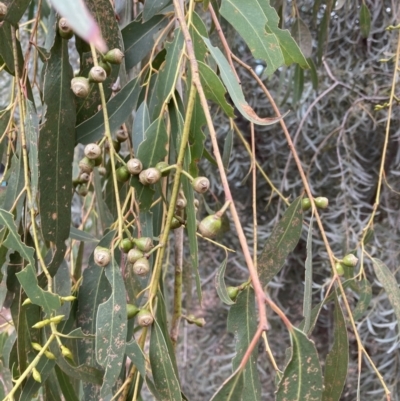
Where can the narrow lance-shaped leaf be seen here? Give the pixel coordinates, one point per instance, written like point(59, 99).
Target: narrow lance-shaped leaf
point(118, 108)
point(162, 368)
point(16, 9)
point(56, 146)
point(231, 389)
point(307, 303)
point(139, 38)
point(303, 37)
point(220, 283)
point(337, 359)
point(140, 125)
point(234, 89)
point(389, 283)
point(364, 300)
point(213, 88)
point(242, 322)
point(152, 7)
point(111, 329)
point(365, 20)
point(282, 241)
point(302, 377)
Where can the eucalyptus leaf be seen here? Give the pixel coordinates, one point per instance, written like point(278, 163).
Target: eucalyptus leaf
point(231, 389)
point(220, 283)
point(282, 241)
point(307, 303)
point(365, 295)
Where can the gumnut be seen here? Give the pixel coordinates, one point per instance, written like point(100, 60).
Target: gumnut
point(84, 177)
point(141, 267)
point(92, 151)
point(64, 29)
point(210, 226)
point(102, 171)
point(232, 292)
point(175, 223)
point(125, 245)
point(121, 135)
point(144, 318)
point(83, 190)
point(181, 202)
point(106, 67)
point(339, 269)
point(134, 255)
point(86, 165)
point(305, 204)
point(149, 176)
point(114, 56)
point(350, 260)
point(144, 244)
point(98, 161)
point(102, 256)
point(201, 184)
point(122, 174)
point(162, 166)
point(134, 166)
point(321, 202)
point(131, 311)
point(97, 74)
point(80, 86)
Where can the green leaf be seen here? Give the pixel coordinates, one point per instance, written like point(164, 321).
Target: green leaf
point(249, 19)
point(119, 109)
point(242, 322)
point(338, 358)
point(106, 217)
point(365, 20)
point(62, 287)
point(302, 378)
point(6, 49)
point(162, 368)
point(139, 38)
point(140, 125)
point(152, 7)
point(56, 146)
point(231, 389)
point(303, 37)
point(135, 354)
point(167, 75)
point(198, 30)
point(150, 152)
point(94, 290)
point(111, 329)
point(80, 235)
point(282, 241)
point(32, 134)
point(389, 283)
point(220, 283)
point(16, 9)
point(364, 300)
point(213, 88)
point(298, 82)
point(307, 303)
point(234, 89)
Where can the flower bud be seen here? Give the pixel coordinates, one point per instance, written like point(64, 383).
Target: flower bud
point(26, 302)
point(339, 269)
point(232, 292)
point(3, 11)
point(64, 29)
point(92, 151)
point(181, 202)
point(201, 184)
point(41, 324)
point(36, 346)
point(144, 318)
point(102, 171)
point(210, 226)
point(305, 204)
point(66, 352)
point(141, 267)
point(131, 311)
point(134, 255)
point(321, 202)
point(102, 256)
point(121, 135)
point(69, 298)
point(84, 177)
point(125, 245)
point(175, 223)
point(116, 145)
point(36, 375)
point(122, 174)
point(57, 319)
point(80, 86)
point(149, 176)
point(144, 244)
point(97, 74)
point(350, 260)
point(134, 166)
point(49, 355)
point(86, 165)
point(114, 56)
point(98, 160)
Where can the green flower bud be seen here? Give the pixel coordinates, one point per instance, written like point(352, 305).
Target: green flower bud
point(36, 375)
point(305, 204)
point(321, 202)
point(102, 256)
point(36, 346)
point(350, 260)
point(131, 311)
point(41, 324)
point(144, 318)
point(210, 226)
point(64, 29)
point(339, 269)
point(134, 166)
point(57, 319)
point(134, 255)
point(49, 355)
point(97, 74)
point(175, 223)
point(114, 56)
point(86, 165)
point(232, 292)
point(122, 174)
point(150, 176)
point(141, 267)
point(161, 166)
point(144, 244)
point(66, 352)
point(125, 245)
point(106, 67)
point(201, 184)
